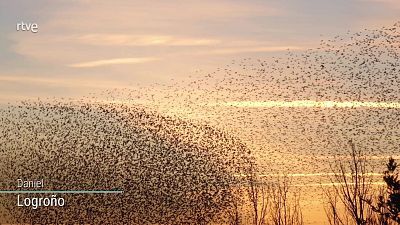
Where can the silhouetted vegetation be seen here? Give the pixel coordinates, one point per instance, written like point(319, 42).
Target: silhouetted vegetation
point(352, 198)
point(259, 197)
point(266, 201)
point(388, 204)
point(352, 185)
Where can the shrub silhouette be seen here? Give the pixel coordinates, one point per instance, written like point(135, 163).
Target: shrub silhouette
point(388, 204)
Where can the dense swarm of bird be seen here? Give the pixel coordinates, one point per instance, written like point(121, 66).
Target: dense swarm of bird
point(170, 171)
point(355, 67)
point(172, 167)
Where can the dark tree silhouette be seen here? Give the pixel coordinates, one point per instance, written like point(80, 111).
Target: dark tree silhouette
point(351, 186)
point(388, 204)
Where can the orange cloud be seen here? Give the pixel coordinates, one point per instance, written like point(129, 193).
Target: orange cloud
point(143, 40)
point(116, 61)
point(248, 49)
point(46, 81)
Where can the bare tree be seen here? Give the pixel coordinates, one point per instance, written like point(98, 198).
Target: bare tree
point(258, 194)
point(379, 208)
point(332, 210)
point(234, 212)
point(351, 185)
point(285, 205)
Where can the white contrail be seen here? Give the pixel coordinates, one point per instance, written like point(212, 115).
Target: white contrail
point(310, 104)
point(311, 175)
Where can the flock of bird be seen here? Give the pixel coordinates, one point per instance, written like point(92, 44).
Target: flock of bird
point(170, 171)
point(174, 148)
point(301, 141)
point(355, 67)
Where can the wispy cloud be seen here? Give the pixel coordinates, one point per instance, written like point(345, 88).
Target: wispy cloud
point(111, 30)
point(248, 49)
point(115, 61)
point(59, 82)
point(143, 40)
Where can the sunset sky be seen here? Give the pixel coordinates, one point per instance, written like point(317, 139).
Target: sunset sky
point(85, 45)
point(293, 117)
